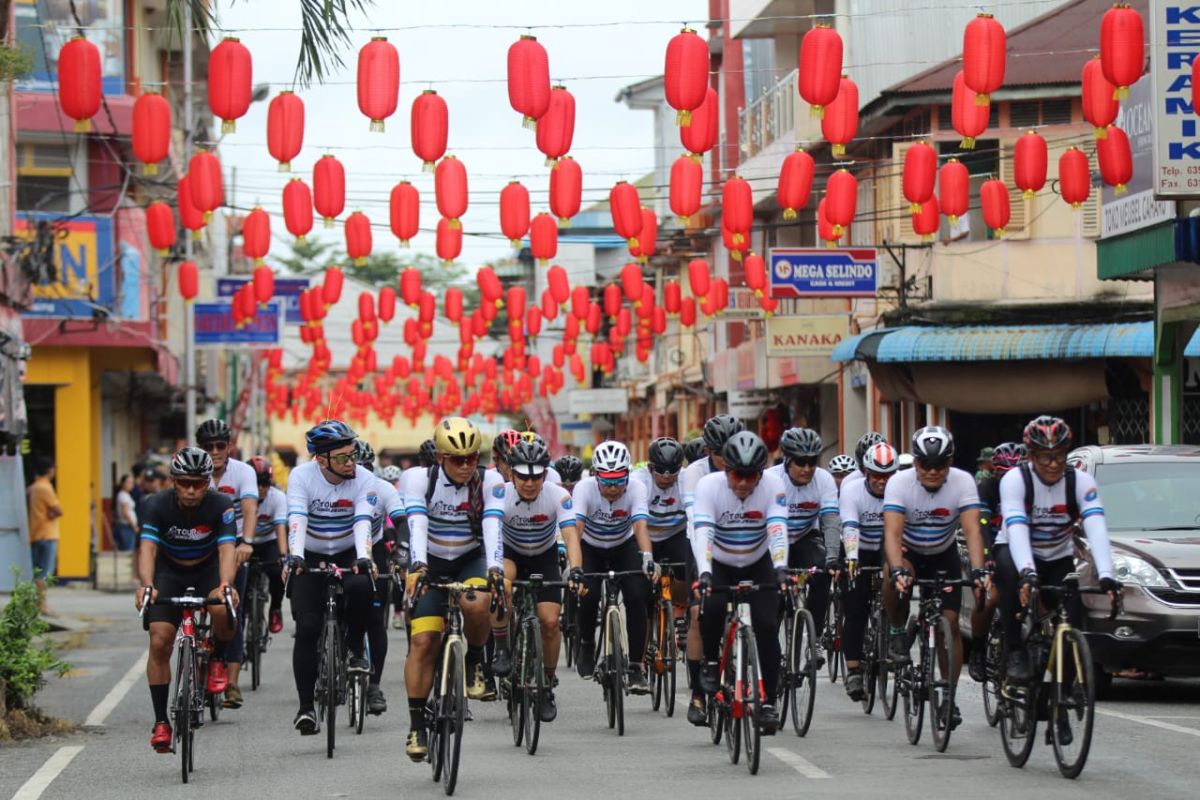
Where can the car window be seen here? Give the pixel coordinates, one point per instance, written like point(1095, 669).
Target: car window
point(1145, 495)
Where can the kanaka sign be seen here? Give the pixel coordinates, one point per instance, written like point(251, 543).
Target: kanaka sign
point(793, 337)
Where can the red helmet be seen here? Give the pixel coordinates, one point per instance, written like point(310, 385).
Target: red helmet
point(1047, 433)
point(263, 470)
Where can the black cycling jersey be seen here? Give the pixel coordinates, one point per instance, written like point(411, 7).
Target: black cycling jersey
point(184, 534)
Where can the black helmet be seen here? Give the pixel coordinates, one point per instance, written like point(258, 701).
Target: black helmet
point(191, 462)
point(693, 451)
point(666, 455)
point(427, 456)
point(866, 440)
point(213, 430)
point(529, 457)
point(745, 452)
point(570, 468)
point(718, 430)
point(364, 454)
point(329, 434)
point(932, 441)
point(800, 443)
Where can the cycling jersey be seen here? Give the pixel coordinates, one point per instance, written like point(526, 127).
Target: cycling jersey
point(665, 506)
point(390, 508)
point(187, 534)
point(238, 482)
point(604, 524)
point(739, 532)
point(1047, 536)
point(326, 518)
point(807, 503)
point(442, 527)
point(930, 518)
point(691, 476)
point(854, 477)
point(862, 520)
point(272, 511)
point(530, 528)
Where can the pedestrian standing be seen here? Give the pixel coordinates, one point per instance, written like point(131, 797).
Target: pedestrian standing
point(44, 514)
point(125, 520)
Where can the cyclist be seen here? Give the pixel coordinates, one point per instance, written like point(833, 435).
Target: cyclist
point(611, 512)
point(860, 448)
point(236, 480)
point(187, 540)
point(270, 535)
point(861, 510)
point(426, 458)
point(570, 471)
point(454, 511)
point(741, 535)
point(814, 527)
point(1042, 501)
point(536, 513)
point(391, 474)
point(331, 501)
point(923, 508)
point(841, 467)
point(694, 450)
point(717, 431)
point(504, 441)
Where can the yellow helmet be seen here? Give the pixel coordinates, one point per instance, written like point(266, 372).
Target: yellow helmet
point(456, 436)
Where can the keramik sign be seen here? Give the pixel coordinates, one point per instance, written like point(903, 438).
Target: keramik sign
point(1174, 42)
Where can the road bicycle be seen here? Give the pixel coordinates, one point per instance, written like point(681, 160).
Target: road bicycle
point(663, 647)
point(798, 676)
point(525, 686)
point(992, 670)
point(568, 618)
point(831, 634)
point(255, 605)
point(612, 655)
point(356, 701)
point(876, 669)
point(335, 684)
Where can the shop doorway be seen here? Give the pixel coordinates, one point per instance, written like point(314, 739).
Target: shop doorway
point(40, 408)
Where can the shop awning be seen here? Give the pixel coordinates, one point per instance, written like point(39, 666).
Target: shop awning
point(1017, 342)
point(862, 345)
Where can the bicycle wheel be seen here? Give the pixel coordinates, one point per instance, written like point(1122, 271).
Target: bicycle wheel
point(732, 726)
point(182, 710)
point(533, 684)
point(1018, 721)
point(670, 660)
point(803, 671)
point(939, 686)
point(716, 725)
point(655, 659)
point(329, 664)
point(253, 637)
point(567, 625)
point(617, 665)
point(886, 686)
point(831, 636)
point(991, 667)
point(516, 697)
point(1072, 705)
point(751, 702)
point(358, 697)
point(909, 679)
point(453, 717)
point(869, 664)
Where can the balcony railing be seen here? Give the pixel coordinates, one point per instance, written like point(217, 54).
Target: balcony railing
point(768, 118)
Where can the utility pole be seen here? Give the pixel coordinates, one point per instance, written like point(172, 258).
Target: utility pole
point(189, 123)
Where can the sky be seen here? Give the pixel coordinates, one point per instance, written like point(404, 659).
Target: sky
point(459, 49)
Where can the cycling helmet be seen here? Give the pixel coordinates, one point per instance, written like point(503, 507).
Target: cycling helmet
point(1007, 456)
point(456, 436)
point(1047, 433)
point(611, 460)
point(529, 458)
point(906, 461)
point(693, 451)
point(881, 459)
point(364, 454)
point(866, 440)
point(213, 430)
point(504, 441)
point(666, 455)
point(391, 473)
point(745, 452)
point(718, 430)
point(842, 464)
point(427, 455)
point(800, 443)
point(570, 468)
point(263, 470)
point(329, 434)
point(191, 462)
point(932, 441)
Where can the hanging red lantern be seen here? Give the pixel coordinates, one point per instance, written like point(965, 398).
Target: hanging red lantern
point(160, 227)
point(566, 189)
point(264, 285)
point(387, 303)
point(490, 288)
point(737, 208)
point(701, 136)
point(430, 128)
point(925, 222)
point(558, 283)
point(450, 189)
point(1100, 105)
point(795, 182)
point(953, 189)
point(672, 297)
point(647, 237)
point(632, 282)
point(453, 304)
point(698, 277)
point(329, 188)
point(410, 287)
point(659, 325)
point(840, 121)
point(685, 76)
point(997, 207)
point(543, 238)
point(626, 209)
point(204, 173)
point(256, 234)
point(190, 217)
point(151, 137)
point(549, 307)
point(556, 128)
point(331, 285)
point(720, 295)
point(1122, 47)
point(297, 208)
point(448, 240)
point(516, 303)
point(970, 120)
point(528, 79)
point(612, 299)
point(1115, 158)
point(426, 309)
point(229, 82)
point(189, 280)
point(358, 238)
point(80, 91)
point(984, 44)
point(624, 323)
point(594, 317)
point(841, 194)
point(756, 273)
point(533, 321)
point(1074, 177)
point(825, 230)
point(645, 306)
point(404, 212)
point(1029, 164)
point(768, 305)
point(514, 212)
point(687, 182)
point(571, 328)
point(285, 128)
point(687, 312)
point(378, 81)
point(920, 175)
point(580, 297)
point(819, 79)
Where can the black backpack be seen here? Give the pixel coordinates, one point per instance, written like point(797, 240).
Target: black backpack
point(474, 497)
point(1072, 501)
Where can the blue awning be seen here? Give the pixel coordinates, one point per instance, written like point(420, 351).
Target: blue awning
point(852, 347)
point(1018, 342)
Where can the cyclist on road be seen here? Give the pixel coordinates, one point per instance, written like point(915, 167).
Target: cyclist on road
point(270, 535)
point(426, 458)
point(841, 467)
point(717, 431)
point(187, 540)
point(694, 450)
point(741, 517)
point(570, 471)
point(860, 449)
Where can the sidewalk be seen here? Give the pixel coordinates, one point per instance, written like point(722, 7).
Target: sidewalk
point(77, 606)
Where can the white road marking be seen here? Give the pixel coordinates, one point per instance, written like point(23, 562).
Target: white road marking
point(117, 693)
point(33, 788)
point(798, 763)
point(1166, 726)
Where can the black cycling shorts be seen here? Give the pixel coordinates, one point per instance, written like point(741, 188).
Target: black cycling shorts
point(428, 616)
point(927, 566)
point(173, 580)
point(544, 564)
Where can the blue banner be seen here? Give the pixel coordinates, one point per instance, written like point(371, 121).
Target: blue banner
point(83, 275)
point(287, 291)
point(823, 272)
point(215, 326)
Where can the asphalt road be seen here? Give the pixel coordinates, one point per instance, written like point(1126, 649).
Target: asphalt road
point(1144, 746)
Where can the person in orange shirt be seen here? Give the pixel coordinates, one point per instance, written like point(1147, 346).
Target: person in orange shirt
point(44, 512)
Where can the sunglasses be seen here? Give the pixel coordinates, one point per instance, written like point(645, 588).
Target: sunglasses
point(745, 475)
point(462, 461)
point(613, 481)
point(804, 461)
point(215, 447)
point(658, 471)
point(341, 459)
point(1047, 459)
point(933, 464)
point(529, 477)
point(192, 483)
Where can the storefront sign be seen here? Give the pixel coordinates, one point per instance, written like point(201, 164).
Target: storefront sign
point(747, 405)
point(214, 326)
point(807, 335)
point(287, 291)
point(598, 401)
point(83, 271)
point(1136, 208)
point(823, 272)
point(1174, 42)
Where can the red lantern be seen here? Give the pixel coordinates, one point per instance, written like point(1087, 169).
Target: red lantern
point(1029, 164)
point(358, 238)
point(701, 135)
point(984, 43)
point(685, 76)
point(329, 188)
point(647, 237)
point(825, 229)
point(768, 305)
point(450, 189)
point(840, 122)
point(841, 195)
point(566, 189)
point(404, 211)
point(426, 309)
point(549, 307)
point(632, 283)
point(208, 193)
point(229, 82)
point(756, 273)
point(556, 128)
point(430, 128)
point(968, 118)
point(687, 312)
point(533, 321)
point(720, 295)
point(514, 212)
point(698, 277)
point(528, 79)
point(79, 82)
point(580, 297)
point(285, 128)
point(1122, 47)
point(1100, 104)
point(560, 287)
point(543, 238)
point(687, 181)
point(626, 209)
point(264, 285)
point(659, 325)
point(189, 280)
point(331, 286)
point(571, 328)
point(160, 227)
point(819, 79)
point(925, 221)
point(795, 182)
point(454, 304)
point(1116, 159)
point(920, 175)
point(594, 318)
point(190, 217)
point(612, 300)
point(516, 303)
point(387, 303)
point(297, 208)
point(737, 208)
point(151, 131)
point(1074, 177)
point(997, 208)
point(378, 81)
point(953, 189)
point(490, 288)
point(448, 242)
point(256, 234)
point(672, 297)
point(624, 323)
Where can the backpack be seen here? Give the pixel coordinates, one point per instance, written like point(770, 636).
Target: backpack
point(474, 497)
point(1072, 500)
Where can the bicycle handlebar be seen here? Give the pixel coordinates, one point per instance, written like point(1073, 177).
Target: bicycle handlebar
point(613, 574)
point(1071, 587)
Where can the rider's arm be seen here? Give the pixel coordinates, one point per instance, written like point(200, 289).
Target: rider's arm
point(894, 510)
point(567, 528)
point(688, 492)
point(777, 519)
point(147, 556)
point(968, 515)
point(1016, 521)
point(848, 513)
point(297, 515)
point(414, 489)
point(226, 542)
point(365, 500)
point(702, 540)
point(640, 515)
point(831, 522)
point(247, 490)
point(493, 515)
point(1095, 528)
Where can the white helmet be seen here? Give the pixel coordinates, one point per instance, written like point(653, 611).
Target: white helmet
point(906, 461)
point(881, 458)
point(391, 473)
point(610, 457)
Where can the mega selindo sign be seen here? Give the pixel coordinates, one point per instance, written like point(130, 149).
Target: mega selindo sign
point(82, 276)
point(823, 272)
point(1174, 43)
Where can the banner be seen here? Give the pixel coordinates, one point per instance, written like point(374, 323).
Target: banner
point(1136, 208)
point(1174, 42)
point(806, 336)
point(287, 291)
point(83, 271)
point(823, 272)
point(214, 326)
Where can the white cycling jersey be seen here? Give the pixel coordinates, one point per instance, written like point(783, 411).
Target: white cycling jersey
point(238, 482)
point(604, 524)
point(862, 520)
point(1047, 535)
point(930, 518)
point(850, 480)
point(691, 476)
point(807, 503)
point(272, 511)
point(532, 527)
point(442, 528)
point(390, 506)
point(738, 532)
point(665, 506)
point(327, 518)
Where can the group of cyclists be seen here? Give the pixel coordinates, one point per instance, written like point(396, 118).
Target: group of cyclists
point(712, 512)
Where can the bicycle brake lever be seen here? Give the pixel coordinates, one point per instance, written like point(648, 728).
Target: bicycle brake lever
point(145, 602)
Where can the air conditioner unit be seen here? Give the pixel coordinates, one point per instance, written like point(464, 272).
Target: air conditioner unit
point(675, 356)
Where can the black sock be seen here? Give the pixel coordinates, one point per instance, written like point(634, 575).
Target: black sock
point(694, 676)
point(218, 651)
point(416, 713)
point(854, 670)
point(474, 656)
point(158, 695)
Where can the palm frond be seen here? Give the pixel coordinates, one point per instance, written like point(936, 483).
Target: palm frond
point(202, 18)
point(325, 30)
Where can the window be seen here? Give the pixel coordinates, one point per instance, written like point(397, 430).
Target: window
point(44, 177)
point(1024, 115)
point(983, 163)
point(1056, 112)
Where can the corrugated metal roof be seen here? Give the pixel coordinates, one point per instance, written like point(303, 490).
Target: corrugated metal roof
point(1019, 342)
point(851, 348)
